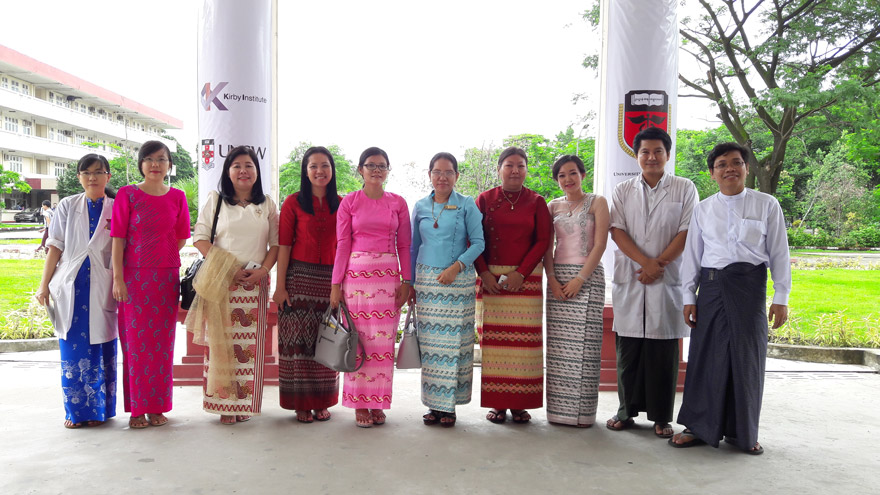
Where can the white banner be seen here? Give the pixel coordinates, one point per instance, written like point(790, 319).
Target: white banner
point(235, 87)
point(638, 70)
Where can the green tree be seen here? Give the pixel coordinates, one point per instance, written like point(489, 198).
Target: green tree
point(10, 181)
point(776, 66)
point(479, 169)
point(68, 184)
point(183, 162)
point(347, 179)
point(840, 200)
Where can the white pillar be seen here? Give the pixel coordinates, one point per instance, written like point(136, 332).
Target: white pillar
point(235, 77)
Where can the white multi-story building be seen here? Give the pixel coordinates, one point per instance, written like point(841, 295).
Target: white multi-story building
point(46, 114)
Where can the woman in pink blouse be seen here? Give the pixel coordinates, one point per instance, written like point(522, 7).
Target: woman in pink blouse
point(150, 224)
point(373, 273)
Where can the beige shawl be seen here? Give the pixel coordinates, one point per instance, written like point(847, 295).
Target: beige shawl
point(209, 318)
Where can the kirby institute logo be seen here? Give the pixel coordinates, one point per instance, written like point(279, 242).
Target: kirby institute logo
point(212, 96)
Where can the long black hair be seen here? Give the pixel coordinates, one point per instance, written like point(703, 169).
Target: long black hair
point(227, 191)
point(305, 185)
point(90, 159)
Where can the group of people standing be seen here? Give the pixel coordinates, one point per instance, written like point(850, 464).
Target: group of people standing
point(462, 264)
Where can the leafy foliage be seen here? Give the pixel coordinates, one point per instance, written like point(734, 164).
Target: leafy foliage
point(774, 68)
point(11, 181)
point(347, 179)
point(480, 165)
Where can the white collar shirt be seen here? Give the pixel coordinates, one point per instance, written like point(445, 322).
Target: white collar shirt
point(747, 227)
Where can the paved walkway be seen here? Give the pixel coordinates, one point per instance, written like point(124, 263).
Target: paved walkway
point(819, 429)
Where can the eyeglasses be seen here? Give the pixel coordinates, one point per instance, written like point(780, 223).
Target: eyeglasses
point(733, 164)
point(443, 173)
point(160, 161)
point(93, 175)
point(382, 167)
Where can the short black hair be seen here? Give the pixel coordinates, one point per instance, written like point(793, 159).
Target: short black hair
point(443, 155)
point(305, 185)
point(46, 202)
point(511, 151)
point(652, 133)
point(148, 149)
point(562, 160)
point(90, 159)
point(227, 191)
point(723, 149)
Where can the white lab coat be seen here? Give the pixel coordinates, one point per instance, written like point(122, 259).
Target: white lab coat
point(650, 311)
point(69, 232)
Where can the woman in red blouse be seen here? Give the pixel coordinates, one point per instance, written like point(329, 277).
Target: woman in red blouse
point(307, 238)
point(510, 303)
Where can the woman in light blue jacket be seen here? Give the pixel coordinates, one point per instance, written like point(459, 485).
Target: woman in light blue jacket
point(447, 238)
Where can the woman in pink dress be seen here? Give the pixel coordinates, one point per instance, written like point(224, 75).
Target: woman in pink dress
point(149, 226)
point(373, 272)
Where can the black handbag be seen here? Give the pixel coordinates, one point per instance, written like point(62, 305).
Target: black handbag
point(187, 291)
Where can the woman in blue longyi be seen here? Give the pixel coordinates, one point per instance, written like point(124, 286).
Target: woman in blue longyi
point(447, 237)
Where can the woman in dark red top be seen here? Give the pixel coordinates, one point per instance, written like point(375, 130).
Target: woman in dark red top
point(510, 302)
point(307, 238)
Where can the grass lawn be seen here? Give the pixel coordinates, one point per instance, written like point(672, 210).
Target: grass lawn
point(825, 252)
point(818, 292)
point(19, 241)
point(19, 279)
point(13, 226)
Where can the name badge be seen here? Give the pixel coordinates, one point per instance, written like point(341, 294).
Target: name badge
point(450, 207)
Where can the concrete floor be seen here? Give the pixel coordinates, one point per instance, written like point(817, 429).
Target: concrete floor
point(819, 429)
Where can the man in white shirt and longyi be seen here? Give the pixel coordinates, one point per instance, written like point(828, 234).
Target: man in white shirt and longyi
point(734, 236)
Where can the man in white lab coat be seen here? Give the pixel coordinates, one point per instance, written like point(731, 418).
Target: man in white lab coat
point(650, 215)
point(735, 235)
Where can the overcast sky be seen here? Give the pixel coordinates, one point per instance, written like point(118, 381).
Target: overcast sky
point(411, 77)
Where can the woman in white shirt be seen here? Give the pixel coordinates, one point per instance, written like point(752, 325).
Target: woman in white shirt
point(247, 228)
point(80, 290)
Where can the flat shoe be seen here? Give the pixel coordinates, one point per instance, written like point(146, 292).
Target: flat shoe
point(497, 416)
point(447, 415)
point(318, 417)
point(305, 417)
point(227, 420)
point(242, 419)
point(138, 423)
point(663, 427)
point(757, 450)
point(157, 419)
point(520, 416)
point(363, 419)
point(378, 417)
point(624, 423)
point(432, 417)
point(70, 425)
point(686, 445)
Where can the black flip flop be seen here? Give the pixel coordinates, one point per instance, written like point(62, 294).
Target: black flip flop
point(500, 416)
point(624, 423)
point(693, 443)
point(447, 424)
point(436, 415)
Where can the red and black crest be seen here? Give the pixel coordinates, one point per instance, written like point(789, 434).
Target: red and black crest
point(641, 109)
point(207, 154)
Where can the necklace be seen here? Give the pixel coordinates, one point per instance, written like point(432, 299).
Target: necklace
point(437, 218)
point(512, 203)
point(571, 209)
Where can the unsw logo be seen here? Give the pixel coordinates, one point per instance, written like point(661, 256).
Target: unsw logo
point(641, 109)
point(209, 96)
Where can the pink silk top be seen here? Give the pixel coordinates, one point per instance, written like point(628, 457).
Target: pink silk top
point(575, 229)
point(373, 226)
point(151, 226)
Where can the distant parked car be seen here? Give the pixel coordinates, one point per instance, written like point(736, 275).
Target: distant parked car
point(33, 215)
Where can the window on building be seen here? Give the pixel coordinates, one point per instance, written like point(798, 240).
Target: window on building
point(11, 124)
point(60, 168)
point(25, 90)
point(27, 127)
point(51, 134)
point(14, 163)
point(15, 86)
point(4, 83)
